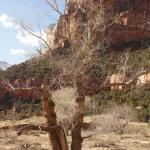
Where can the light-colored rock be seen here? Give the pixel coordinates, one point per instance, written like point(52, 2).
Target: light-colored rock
point(51, 35)
point(116, 82)
point(144, 79)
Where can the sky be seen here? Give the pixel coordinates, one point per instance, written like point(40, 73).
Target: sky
point(16, 45)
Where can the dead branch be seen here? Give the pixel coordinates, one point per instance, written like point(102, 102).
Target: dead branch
point(54, 6)
point(31, 32)
point(33, 127)
point(13, 127)
point(88, 136)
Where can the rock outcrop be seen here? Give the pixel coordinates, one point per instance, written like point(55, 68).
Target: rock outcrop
point(131, 22)
point(116, 22)
point(98, 24)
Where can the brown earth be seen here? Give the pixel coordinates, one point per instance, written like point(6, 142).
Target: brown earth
point(136, 137)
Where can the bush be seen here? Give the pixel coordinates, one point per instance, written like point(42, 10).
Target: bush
point(135, 97)
point(115, 119)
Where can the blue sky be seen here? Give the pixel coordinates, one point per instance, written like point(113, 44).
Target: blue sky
point(15, 44)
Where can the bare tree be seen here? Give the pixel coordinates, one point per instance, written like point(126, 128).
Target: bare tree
point(76, 66)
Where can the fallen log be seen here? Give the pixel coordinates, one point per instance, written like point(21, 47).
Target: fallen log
point(31, 127)
point(13, 127)
point(20, 128)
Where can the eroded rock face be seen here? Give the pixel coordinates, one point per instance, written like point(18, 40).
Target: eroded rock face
point(121, 22)
point(98, 24)
point(125, 21)
point(131, 22)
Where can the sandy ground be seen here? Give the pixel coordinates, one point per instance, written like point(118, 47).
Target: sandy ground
point(136, 137)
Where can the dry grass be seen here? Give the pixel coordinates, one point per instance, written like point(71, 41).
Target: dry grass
point(138, 128)
point(64, 100)
point(135, 137)
point(32, 141)
point(115, 119)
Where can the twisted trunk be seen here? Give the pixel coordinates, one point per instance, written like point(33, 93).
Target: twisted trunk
point(56, 133)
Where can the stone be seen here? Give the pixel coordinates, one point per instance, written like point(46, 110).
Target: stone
point(123, 22)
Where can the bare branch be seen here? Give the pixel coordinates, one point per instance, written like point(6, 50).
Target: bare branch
point(32, 127)
point(54, 6)
point(31, 32)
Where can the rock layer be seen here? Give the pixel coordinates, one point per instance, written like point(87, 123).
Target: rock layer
point(120, 22)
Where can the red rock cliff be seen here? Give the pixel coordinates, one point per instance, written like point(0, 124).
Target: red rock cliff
point(118, 21)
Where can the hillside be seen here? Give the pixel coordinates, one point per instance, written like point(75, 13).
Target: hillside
point(95, 32)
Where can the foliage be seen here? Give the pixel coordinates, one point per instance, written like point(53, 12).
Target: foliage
point(110, 63)
point(138, 97)
point(115, 119)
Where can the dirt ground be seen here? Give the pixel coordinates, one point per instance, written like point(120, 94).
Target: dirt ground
point(136, 137)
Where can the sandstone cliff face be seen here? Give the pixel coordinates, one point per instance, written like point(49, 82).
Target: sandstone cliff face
point(119, 22)
point(131, 22)
point(97, 23)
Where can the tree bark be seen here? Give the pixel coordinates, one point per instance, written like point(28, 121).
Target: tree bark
point(56, 133)
point(78, 119)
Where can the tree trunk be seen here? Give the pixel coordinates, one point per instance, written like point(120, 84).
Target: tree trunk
point(56, 133)
point(78, 119)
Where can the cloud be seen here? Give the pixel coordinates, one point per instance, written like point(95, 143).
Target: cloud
point(21, 8)
point(17, 52)
point(7, 21)
point(27, 39)
point(22, 36)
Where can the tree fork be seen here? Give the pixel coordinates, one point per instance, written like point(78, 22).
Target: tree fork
point(56, 133)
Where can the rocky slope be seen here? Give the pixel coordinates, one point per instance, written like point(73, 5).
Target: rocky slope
point(117, 22)
point(85, 33)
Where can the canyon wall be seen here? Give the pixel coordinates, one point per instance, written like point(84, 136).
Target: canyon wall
point(116, 22)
